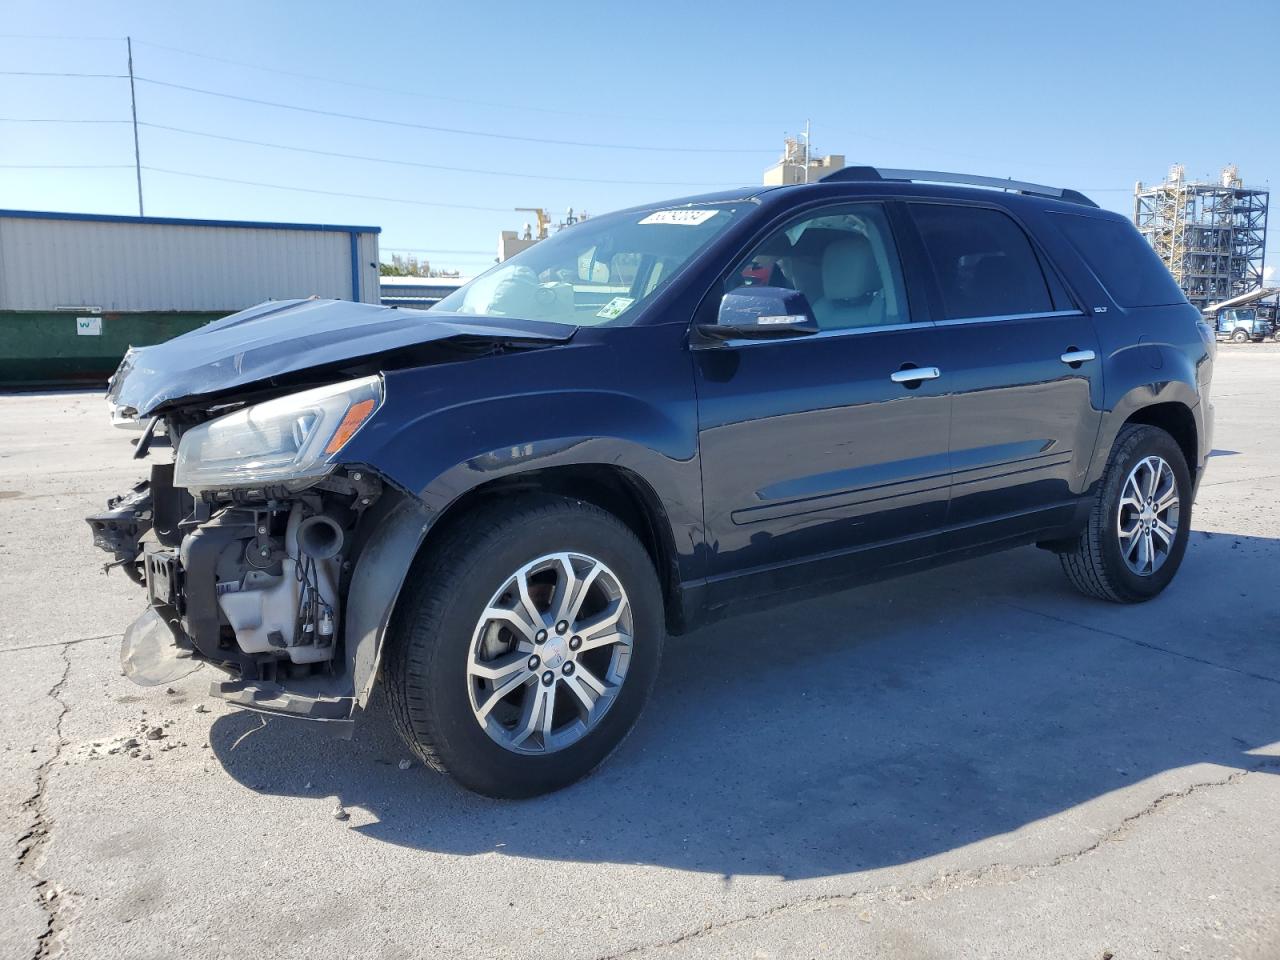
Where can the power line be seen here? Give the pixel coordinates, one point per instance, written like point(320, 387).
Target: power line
point(432, 250)
point(425, 166)
point(327, 193)
point(436, 129)
point(407, 93)
point(54, 73)
point(54, 120)
point(66, 166)
point(49, 36)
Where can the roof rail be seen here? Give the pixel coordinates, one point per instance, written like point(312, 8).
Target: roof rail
point(853, 174)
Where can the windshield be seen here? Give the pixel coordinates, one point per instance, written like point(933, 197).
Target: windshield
point(598, 271)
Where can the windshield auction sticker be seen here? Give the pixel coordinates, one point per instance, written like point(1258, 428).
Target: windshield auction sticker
point(687, 218)
point(615, 307)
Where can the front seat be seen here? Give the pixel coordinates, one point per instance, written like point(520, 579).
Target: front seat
point(852, 289)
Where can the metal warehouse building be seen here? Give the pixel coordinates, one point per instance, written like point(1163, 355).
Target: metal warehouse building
point(76, 290)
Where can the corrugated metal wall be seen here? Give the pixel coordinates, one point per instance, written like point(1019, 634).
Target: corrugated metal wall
point(121, 266)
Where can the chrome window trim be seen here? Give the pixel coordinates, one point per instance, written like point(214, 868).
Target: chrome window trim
point(956, 321)
point(887, 328)
point(820, 335)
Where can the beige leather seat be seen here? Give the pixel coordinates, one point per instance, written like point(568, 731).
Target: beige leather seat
point(852, 289)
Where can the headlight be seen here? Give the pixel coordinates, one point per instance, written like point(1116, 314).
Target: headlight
point(291, 441)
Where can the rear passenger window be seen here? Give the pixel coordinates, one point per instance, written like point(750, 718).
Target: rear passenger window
point(1122, 261)
point(984, 263)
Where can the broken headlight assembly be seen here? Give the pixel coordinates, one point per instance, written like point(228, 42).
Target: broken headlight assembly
point(290, 441)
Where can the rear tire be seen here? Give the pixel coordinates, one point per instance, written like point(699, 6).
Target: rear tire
point(449, 658)
point(1103, 562)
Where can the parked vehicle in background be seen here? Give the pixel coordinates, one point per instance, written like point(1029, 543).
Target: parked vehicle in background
point(502, 506)
point(1243, 324)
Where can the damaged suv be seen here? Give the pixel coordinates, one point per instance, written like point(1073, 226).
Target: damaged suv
point(501, 506)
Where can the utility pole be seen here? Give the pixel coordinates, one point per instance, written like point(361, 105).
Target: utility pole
point(806, 149)
point(133, 104)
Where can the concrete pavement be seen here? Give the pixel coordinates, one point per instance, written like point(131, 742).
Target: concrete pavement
point(974, 762)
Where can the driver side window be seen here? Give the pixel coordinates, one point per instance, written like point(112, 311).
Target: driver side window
point(843, 259)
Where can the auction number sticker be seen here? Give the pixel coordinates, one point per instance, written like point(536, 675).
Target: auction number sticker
point(614, 307)
point(687, 218)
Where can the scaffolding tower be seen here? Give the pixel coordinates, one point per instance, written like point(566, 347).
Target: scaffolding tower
point(1211, 236)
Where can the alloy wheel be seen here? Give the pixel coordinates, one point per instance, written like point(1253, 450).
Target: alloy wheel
point(1147, 520)
point(550, 653)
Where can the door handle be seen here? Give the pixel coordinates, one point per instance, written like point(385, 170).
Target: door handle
point(915, 374)
point(1073, 358)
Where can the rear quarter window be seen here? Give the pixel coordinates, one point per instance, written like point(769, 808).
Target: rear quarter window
point(1122, 260)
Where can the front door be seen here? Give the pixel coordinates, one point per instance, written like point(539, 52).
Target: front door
point(813, 451)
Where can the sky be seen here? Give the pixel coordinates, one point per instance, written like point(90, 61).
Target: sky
point(599, 105)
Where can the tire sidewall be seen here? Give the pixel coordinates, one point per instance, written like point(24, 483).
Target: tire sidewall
point(466, 749)
point(1151, 442)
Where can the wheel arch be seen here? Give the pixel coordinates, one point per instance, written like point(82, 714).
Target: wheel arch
point(1173, 405)
point(1177, 420)
point(615, 489)
point(408, 532)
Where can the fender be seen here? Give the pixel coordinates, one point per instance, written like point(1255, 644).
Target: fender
point(389, 551)
point(1142, 375)
point(434, 453)
point(442, 431)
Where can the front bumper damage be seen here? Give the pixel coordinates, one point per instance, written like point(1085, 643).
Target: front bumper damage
point(257, 583)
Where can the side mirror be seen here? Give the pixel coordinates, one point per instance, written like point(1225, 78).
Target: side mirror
point(761, 313)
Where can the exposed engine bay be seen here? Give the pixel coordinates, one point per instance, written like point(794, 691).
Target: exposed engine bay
point(268, 549)
point(251, 582)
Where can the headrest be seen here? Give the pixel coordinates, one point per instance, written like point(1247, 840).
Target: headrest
point(849, 269)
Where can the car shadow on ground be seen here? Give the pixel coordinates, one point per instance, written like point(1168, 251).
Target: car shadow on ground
point(871, 728)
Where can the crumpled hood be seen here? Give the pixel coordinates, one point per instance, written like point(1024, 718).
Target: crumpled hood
point(288, 336)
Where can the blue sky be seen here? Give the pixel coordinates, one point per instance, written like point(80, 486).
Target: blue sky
point(1073, 95)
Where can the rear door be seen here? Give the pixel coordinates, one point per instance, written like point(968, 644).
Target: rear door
point(812, 453)
point(1023, 374)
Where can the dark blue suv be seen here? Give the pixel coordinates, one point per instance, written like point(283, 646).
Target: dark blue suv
point(502, 506)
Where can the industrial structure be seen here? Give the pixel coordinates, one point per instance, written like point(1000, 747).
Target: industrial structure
point(1211, 236)
point(798, 165)
point(77, 290)
point(511, 242)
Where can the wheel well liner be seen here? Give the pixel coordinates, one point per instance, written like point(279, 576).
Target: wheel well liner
point(1177, 420)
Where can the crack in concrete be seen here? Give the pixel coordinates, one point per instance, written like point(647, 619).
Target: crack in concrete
point(32, 843)
point(1223, 483)
point(1143, 643)
point(951, 881)
point(60, 643)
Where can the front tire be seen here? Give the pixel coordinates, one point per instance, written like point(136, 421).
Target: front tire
point(526, 646)
point(1239, 337)
point(1139, 521)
